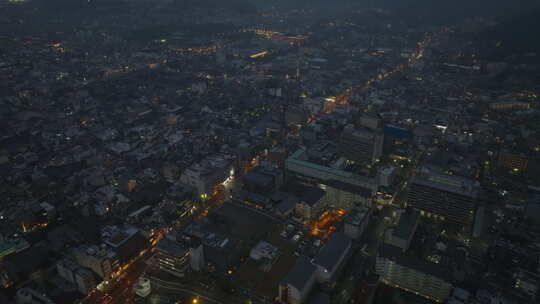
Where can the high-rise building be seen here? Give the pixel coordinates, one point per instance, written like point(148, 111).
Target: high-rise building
point(361, 145)
point(444, 196)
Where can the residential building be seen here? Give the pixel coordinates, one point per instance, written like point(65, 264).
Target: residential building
point(401, 236)
point(103, 261)
point(332, 257)
point(356, 222)
point(412, 274)
point(127, 241)
point(204, 176)
point(263, 180)
point(263, 250)
point(346, 196)
point(142, 288)
point(85, 280)
point(514, 162)
point(310, 203)
point(196, 255)
point(297, 285)
point(66, 269)
point(386, 176)
point(8, 246)
point(527, 282)
point(30, 296)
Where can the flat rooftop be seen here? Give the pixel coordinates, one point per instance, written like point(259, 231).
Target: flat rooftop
point(357, 216)
point(407, 223)
point(445, 182)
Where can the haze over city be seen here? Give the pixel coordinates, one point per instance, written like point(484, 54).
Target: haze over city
point(277, 151)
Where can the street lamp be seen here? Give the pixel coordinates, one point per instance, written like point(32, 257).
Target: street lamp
point(195, 300)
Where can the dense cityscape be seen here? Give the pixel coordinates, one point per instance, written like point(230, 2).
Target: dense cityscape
point(258, 152)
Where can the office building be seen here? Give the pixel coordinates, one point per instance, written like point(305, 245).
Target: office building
point(303, 165)
point(172, 257)
point(443, 196)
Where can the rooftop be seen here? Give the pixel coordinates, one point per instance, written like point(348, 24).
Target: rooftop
point(300, 274)
point(357, 216)
point(399, 257)
point(335, 247)
point(119, 237)
point(407, 223)
point(445, 182)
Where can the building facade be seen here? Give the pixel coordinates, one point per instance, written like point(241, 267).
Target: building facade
point(411, 274)
point(102, 261)
point(444, 196)
point(363, 146)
